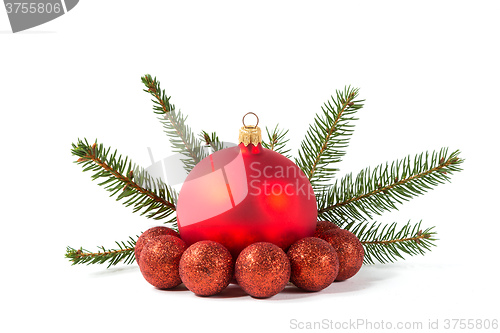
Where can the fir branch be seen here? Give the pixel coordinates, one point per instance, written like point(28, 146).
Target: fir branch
point(276, 140)
point(180, 135)
point(386, 244)
point(211, 140)
point(124, 252)
point(327, 137)
point(126, 180)
point(373, 192)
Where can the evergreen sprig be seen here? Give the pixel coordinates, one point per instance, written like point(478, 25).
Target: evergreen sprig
point(385, 243)
point(327, 137)
point(124, 253)
point(211, 140)
point(180, 135)
point(276, 140)
point(386, 186)
point(125, 180)
point(349, 202)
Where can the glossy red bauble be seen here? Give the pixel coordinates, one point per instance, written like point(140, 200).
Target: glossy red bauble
point(246, 194)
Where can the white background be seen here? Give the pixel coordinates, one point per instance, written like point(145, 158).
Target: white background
point(429, 72)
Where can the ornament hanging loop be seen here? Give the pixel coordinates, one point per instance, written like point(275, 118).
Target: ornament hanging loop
point(243, 120)
point(250, 134)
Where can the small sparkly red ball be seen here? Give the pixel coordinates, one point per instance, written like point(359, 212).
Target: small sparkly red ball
point(314, 263)
point(349, 250)
point(206, 268)
point(323, 226)
point(148, 235)
point(262, 269)
point(159, 261)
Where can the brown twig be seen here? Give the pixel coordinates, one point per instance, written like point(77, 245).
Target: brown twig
point(166, 110)
point(126, 180)
point(345, 104)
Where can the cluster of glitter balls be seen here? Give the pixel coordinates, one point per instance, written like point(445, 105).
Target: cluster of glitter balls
point(262, 269)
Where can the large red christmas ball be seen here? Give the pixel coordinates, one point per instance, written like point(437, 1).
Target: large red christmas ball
point(349, 250)
point(206, 268)
point(246, 194)
point(159, 261)
point(262, 270)
point(148, 235)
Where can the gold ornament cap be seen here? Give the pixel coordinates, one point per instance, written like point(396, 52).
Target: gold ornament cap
point(250, 134)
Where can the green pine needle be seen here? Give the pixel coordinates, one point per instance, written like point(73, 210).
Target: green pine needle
point(386, 186)
point(383, 243)
point(180, 135)
point(211, 140)
point(327, 138)
point(124, 253)
point(276, 140)
point(125, 180)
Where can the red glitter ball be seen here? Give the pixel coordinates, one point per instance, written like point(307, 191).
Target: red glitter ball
point(323, 226)
point(314, 263)
point(148, 235)
point(262, 269)
point(349, 250)
point(159, 261)
point(206, 268)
